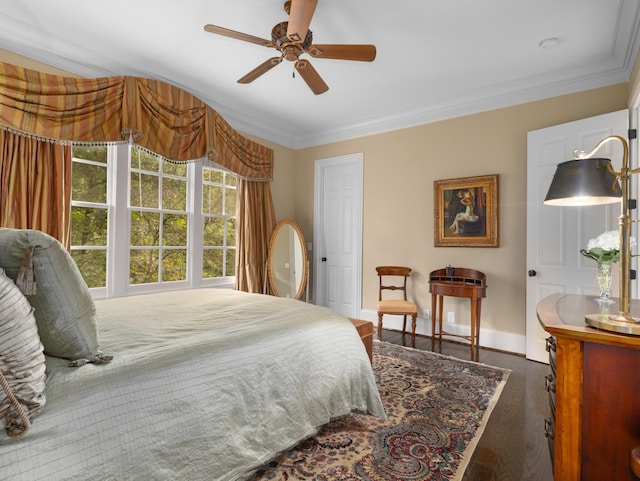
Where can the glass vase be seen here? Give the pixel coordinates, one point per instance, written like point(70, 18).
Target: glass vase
point(604, 283)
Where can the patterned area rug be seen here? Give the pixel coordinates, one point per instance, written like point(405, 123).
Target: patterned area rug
point(437, 408)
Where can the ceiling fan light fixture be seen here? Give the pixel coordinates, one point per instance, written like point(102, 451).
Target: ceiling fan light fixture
point(291, 53)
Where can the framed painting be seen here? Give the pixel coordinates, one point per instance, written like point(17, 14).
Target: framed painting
point(466, 212)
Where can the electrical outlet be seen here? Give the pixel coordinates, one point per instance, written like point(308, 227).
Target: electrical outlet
point(426, 314)
point(451, 317)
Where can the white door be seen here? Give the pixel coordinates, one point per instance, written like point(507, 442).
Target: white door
point(555, 235)
point(337, 234)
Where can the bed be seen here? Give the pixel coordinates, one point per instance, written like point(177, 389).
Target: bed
point(204, 384)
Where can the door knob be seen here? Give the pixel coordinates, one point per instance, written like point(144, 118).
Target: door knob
point(532, 273)
point(324, 259)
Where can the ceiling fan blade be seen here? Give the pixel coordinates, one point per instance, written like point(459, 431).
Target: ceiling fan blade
point(300, 14)
point(225, 32)
point(362, 53)
point(311, 77)
point(263, 68)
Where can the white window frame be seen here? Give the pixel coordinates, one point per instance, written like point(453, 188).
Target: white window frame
point(224, 216)
point(98, 291)
point(118, 232)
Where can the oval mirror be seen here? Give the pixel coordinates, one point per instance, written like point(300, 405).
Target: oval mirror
point(287, 264)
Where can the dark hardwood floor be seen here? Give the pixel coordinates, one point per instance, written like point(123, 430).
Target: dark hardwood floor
point(513, 446)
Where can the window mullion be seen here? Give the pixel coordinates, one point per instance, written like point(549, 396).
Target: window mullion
point(118, 261)
point(196, 224)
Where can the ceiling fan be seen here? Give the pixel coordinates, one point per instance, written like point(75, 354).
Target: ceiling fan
point(292, 39)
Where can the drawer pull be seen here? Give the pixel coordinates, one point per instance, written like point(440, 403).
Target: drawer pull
point(550, 344)
point(548, 428)
point(549, 383)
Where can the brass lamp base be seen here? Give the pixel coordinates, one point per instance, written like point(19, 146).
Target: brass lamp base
point(615, 323)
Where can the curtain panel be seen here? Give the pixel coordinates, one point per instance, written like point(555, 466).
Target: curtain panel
point(255, 220)
point(35, 185)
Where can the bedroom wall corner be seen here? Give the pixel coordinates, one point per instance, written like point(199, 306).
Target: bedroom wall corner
point(284, 179)
point(634, 85)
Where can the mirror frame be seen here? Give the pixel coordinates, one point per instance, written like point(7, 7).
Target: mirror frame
point(305, 262)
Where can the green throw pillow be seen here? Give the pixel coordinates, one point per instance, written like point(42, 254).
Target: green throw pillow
point(63, 307)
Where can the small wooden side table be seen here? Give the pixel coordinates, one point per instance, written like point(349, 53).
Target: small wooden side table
point(457, 282)
point(365, 329)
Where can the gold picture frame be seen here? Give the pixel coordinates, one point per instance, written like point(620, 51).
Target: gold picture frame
point(466, 212)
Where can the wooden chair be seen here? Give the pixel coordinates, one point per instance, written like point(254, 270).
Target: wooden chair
point(394, 278)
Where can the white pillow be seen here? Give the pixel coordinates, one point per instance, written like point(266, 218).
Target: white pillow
point(22, 362)
point(64, 309)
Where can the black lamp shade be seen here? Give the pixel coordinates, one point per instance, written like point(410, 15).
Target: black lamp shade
point(584, 182)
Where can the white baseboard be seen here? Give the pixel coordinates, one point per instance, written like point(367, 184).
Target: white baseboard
point(503, 341)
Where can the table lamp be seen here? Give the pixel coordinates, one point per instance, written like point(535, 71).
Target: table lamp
point(592, 181)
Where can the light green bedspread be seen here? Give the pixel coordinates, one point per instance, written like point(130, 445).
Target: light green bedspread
point(205, 384)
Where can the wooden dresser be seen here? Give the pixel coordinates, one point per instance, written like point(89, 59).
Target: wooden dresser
point(594, 391)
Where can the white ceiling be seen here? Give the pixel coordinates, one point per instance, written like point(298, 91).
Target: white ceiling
point(435, 59)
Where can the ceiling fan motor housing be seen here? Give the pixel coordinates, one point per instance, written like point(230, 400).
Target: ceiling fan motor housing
point(290, 50)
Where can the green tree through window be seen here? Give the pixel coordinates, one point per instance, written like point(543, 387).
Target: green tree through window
point(158, 219)
point(218, 209)
point(89, 213)
point(171, 235)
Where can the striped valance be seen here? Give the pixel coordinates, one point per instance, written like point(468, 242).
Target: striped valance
point(153, 114)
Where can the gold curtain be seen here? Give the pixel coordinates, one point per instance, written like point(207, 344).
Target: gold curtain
point(154, 115)
point(35, 185)
point(255, 220)
point(248, 160)
point(60, 108)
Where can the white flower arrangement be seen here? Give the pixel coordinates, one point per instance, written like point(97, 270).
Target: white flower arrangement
point(606, 247)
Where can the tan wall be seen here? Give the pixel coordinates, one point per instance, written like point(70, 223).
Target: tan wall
point(399, 170)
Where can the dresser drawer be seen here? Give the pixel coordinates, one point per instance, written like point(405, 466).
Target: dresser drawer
point(550, 346)
point(550, 422)
point(550, 387)
point(549, 432)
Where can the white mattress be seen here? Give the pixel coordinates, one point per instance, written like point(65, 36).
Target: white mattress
point(205, 384)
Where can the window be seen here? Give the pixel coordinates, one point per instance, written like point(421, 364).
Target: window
point(89, 213)
point(158, 219)
point(176, 222)
point(218, 210)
